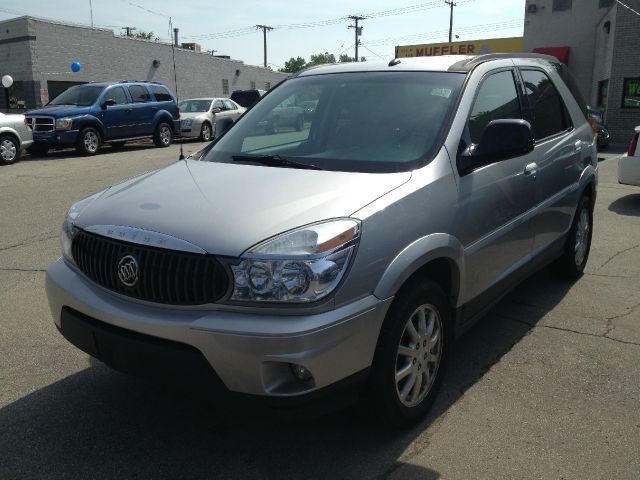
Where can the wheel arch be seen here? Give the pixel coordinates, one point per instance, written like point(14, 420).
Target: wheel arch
point(91, 122)
point(13, 134)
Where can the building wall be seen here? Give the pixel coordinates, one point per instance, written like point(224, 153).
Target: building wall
point(17, 45)
point(603, 55)
point(572, 28)
point(626, 64)
point(106, 57)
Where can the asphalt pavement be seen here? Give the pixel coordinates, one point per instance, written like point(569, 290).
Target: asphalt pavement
point(547, 385)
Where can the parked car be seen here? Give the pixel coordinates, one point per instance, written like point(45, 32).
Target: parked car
point(90, 115)
point(595, 117)
point(629, 164)
point(15, 135)
point(198, 116)
point(286, 115)
point(290, 267)
point(247, 98)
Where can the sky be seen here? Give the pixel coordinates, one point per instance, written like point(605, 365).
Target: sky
point(302, 28)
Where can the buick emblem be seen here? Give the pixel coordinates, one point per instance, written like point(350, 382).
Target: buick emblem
point(128, 270)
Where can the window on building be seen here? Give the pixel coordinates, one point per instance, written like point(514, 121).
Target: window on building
point(267, 85)
point(631, 93)
point(603, 93)
point(117, 94)
point(605, 3)
point(225, 86)
point(547, 112)
point(253, 85)
point(16, 99)
point(139, 94)
point(497, 99)
point(560, 5)
point(161, 93)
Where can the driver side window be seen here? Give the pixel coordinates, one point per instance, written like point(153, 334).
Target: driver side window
point(117, 94)
point(497, 99)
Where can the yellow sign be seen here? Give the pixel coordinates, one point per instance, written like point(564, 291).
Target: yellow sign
point(473, 47)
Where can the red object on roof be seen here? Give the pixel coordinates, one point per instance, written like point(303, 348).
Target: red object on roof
point(561, 53)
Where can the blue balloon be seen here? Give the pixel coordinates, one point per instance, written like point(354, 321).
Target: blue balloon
point(75, 66)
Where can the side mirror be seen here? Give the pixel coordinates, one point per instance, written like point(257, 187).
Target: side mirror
point(223, 125)
point(216, 110)
point(108, 102)
point(500, 140)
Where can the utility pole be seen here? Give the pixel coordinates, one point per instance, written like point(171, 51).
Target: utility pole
point(264, 29)
point(357, 30)
point(91, 12)
point(175, 36)
point(129, 31)
point(451, 4)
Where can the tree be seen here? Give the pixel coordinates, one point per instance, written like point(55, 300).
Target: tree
point(344, 58)
point(146, 35)
point(294, 65)
point(321, 58)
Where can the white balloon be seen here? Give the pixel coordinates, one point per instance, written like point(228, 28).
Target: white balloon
point(7, 81)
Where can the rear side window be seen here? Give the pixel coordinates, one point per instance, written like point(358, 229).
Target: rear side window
point(139, 94)
point(229, 105)
point(497, 99)
point(161, 93)
point(116, 94)
point(547, 111)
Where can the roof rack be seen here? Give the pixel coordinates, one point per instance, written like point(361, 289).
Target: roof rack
point(470, 63)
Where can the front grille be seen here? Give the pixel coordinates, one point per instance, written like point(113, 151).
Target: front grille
point(41, 124)
point(164, 276)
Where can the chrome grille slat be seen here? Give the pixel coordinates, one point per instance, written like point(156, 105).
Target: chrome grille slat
point(41, 124)
point(164, 276)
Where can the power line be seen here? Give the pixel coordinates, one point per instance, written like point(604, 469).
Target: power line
point(627, 6)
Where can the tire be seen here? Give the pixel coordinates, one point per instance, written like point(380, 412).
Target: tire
point(38, 150)
point(299, 123)
point(89, 141)
point(163, 136)
point(576, 250)
point(206, 133)
point(411, 356)
point(118, 145)
point(9, 150)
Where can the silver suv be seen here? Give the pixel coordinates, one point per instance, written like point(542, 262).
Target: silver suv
point(286, 264)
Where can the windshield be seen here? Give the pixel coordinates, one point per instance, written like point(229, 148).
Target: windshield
point(195, 106)
point(364, 122)
point(81, 95)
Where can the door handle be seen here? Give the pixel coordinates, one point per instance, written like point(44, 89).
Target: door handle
point(531, 170)
point(154, 108)
point(577, 146)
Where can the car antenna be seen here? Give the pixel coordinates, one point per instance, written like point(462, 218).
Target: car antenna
point(175, 77)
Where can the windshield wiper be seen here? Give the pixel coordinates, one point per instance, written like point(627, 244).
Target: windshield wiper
point(274, 161)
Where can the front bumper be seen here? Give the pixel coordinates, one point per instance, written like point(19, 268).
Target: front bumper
point(190, 129)
point(54, 139)
point(250, 353)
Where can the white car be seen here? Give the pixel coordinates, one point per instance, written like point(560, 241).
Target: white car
point(629, 164)
point(15, 135)
point(198, 116)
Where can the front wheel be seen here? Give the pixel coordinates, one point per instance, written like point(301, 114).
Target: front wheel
point(163, 135)
point(576, 250)
point(205, 132)
point(411, 355)
point(88, 141)
point(9, 150)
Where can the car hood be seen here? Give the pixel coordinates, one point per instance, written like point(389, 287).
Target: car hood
point(59, 111)
point(227, 208)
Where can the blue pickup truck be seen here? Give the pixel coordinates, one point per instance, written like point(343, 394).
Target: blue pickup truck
point(90, 115)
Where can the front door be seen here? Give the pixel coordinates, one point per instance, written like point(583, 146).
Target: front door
point(496, 201)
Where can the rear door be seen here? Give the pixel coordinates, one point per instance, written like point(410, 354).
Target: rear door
point(142, 110)
point(116, 118)
point(559, 151)
point(495, 201)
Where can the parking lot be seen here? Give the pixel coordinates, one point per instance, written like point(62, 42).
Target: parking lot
point(546, 386)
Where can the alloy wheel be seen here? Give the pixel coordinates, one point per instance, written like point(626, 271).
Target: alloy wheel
point(91, 142)
point(165, 135)
point(582, 236)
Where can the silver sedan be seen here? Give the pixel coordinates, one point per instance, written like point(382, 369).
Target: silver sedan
point(198, 116)
point(15, 135)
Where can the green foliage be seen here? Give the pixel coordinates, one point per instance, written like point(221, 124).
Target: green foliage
point(294, 65)
point(322, 58)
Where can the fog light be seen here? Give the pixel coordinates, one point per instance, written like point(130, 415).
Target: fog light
point(300, 372)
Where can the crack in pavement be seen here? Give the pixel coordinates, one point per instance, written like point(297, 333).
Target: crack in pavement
point(22, 270)
point(616, 254)
point(30, 241)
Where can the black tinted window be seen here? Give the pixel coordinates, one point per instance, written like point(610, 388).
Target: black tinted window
point(497, 99)
point(161, 94)
point(117, 95)
point(139, 94)
point(547, 112)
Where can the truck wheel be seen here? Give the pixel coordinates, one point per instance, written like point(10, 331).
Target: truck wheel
point(205, 132)
point(576, 250)
point(163, 135)
point(88, 141)
point(411, 354)
point(9, 150)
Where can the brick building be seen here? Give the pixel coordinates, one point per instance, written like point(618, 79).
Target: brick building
point(597, 39)
point(38, 55)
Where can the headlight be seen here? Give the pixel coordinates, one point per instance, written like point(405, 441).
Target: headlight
point(64, 123)
point(300, 266)
point(68, 226)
